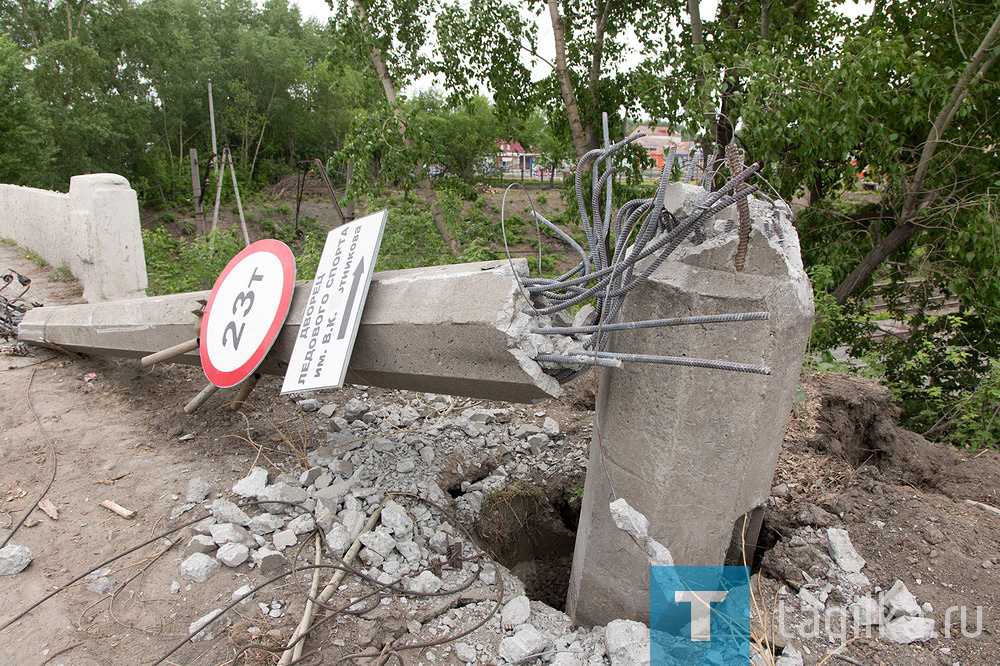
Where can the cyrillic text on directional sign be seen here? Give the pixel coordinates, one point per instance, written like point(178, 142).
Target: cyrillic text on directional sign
point(330, 322)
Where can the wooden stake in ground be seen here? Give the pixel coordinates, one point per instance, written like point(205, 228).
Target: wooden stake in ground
point(196, 192)
point(218, 198)
point(227, 159)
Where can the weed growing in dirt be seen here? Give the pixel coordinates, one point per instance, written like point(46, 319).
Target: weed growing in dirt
point(518, 490)
point(31, 256)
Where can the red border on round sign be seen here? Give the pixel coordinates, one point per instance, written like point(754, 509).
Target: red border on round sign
point(287, 259)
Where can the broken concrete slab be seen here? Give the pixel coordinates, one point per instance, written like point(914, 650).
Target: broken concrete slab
point(198, 490)
point(233, 554)
point(627, 643)
point(225, 511)
point(900, 602)
point(268, 559)
point(526, 642)
point(453, 329)
point(207, 627)
point(251, 485)
point(906, 630)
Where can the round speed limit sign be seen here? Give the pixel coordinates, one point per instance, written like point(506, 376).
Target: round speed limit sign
point(248, 305)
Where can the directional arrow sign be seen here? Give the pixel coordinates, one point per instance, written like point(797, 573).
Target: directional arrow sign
point(330, 322)
point(359, 274)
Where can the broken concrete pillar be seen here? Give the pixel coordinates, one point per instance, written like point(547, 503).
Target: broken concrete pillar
point(453, 329)
point(692, 449)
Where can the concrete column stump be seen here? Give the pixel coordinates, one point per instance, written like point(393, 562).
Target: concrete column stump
point(693, 449)
point(104, 219)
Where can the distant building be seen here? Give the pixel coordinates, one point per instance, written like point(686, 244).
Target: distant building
point(511, 156)
point(658, 141)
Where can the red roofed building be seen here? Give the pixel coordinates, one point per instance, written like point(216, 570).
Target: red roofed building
point(658, 141)
point(512, 157)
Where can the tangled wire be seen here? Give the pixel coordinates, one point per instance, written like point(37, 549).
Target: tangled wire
point(12, 308)
point(609, 268)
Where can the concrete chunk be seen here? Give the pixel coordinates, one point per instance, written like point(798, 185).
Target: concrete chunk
point(14, 559)
point(206, 628)
point(515, 612)
point(425, 583)
point(396, 519)
point(229, 533)
point(233, 554)
point(627, 643)
point(900, 602)
point(200, 543)
point(526, 642)
point(268, 559)
point(225, 511)
point(197, 491)
point(266, 523)
point(199, 567)
point(251, 485)
point(842, 551)
point(907, 630)
point(338, 539)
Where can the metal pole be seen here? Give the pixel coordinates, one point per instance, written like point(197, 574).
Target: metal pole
point(239, 204)
point(211, 119)
point(218, 194)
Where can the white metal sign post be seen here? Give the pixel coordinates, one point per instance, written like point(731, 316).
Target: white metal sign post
point(330, 322)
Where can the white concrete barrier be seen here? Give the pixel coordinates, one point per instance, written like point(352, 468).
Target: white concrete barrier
point(93, 231)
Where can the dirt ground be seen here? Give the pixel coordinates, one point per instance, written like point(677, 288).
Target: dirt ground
point(916, 511)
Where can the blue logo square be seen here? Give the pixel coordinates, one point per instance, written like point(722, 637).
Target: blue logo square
point(702, 616)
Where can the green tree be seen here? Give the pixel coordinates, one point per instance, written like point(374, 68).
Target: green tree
point(456, 138)
point(25, 142)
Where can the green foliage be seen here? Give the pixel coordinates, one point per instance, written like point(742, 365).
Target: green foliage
point(411, 239)
point(457, 186)
point(514, 225)
point(120, 86)
point(177, 264)
point(456, 138)
point(380, 156)
point(25, 142)
point(974, 421)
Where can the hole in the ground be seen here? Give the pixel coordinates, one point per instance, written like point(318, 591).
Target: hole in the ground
point(532, 534)
point(457, 471)
point(756, 536)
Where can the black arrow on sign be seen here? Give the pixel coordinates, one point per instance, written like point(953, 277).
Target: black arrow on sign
point(350, 298)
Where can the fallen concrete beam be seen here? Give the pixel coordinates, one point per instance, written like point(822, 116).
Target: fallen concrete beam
point(443, 329)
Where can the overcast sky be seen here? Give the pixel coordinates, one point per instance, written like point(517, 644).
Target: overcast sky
point(319, 9)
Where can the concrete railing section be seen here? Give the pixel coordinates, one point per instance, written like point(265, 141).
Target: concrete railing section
point(93, 231)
